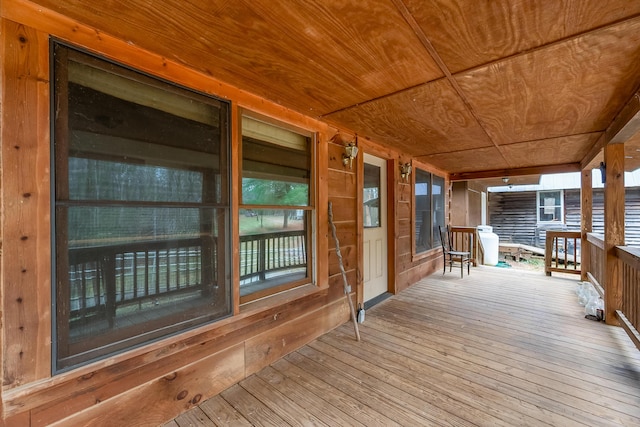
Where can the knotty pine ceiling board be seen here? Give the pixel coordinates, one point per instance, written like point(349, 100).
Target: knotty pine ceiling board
point(572, 87)
point(314, 57)
point(469, 33)
point(423, 120)
point(526, 70)
point(568, 149)
point(480, 159)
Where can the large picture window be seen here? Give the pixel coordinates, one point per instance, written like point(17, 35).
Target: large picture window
point(276, 212)
point(429, 200)
point(141, 208)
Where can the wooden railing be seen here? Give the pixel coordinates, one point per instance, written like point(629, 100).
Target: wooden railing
point(597, 261)
point(102, 278)
point(562, 252)
point(262, 254)
point(629, 312)
point(466, 239)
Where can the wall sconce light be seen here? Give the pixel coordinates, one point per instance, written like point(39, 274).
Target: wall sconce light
point(405, 171)
point(505, 179)
point(350, 153)
point(603, 172)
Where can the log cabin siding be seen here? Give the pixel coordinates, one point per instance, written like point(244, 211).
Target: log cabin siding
point(171, 375)
point(513, 215)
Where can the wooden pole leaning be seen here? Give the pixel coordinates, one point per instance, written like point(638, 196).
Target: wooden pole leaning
point(347, 287)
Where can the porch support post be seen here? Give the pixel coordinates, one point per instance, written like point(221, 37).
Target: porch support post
point(614, 204)
point(586, 221)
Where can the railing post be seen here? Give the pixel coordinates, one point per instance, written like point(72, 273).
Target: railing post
point(586, 221)
point(548, 254)
point(614, 205)
point(109, 271)
point(262, 255)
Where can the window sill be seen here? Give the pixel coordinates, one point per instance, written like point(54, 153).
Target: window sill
point(280, 298)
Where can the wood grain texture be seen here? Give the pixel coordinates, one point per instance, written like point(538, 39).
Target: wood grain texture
point(586, 217)
point(342, 183)
point(468, 33)
point(614, 207)
point(153, 403)
point(568, 149)
point(495, 348)
point(312, 406)
point(485, 158)
point(557, 91)
point(115, 375)
point(266, 348)
point(426, 119)
point(194, 417)
point(322, 206)
point(540, 70)
point(222, 413)
point(253, 40)
point(25, 205)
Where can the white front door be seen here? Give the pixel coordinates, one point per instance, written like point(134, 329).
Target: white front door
point(375, 227)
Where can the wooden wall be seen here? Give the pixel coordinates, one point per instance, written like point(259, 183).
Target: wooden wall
point(466, 203)
point(155, 382)
point(513, 215)
point(460, 203)
point(632, 213)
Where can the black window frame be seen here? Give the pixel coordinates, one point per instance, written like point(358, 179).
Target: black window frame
point(219, 290)
point(427, 207)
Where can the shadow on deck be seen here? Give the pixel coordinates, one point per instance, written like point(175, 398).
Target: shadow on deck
point(498, 347)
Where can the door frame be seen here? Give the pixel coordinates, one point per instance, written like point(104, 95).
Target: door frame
point(392, 168)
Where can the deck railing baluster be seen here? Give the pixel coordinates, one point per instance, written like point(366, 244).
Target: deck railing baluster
point(557, 249)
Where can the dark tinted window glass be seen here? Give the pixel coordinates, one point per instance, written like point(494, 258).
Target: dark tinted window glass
point(141, 208)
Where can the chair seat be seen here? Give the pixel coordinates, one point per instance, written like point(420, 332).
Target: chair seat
point(459, 253)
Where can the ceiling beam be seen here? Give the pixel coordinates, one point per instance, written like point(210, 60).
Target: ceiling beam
point(624, 126)
point(498, 173)
point(426, 42)
point(589, 161)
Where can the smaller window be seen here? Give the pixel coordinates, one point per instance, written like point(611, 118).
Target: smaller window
point(422, 225)
point(371, 196)
point(429, 210)
point(550, 206)
point(437, 191)
point(276, 210)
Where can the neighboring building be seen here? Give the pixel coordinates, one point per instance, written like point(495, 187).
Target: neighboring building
point(522, 214)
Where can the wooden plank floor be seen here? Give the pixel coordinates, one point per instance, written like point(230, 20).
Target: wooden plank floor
point(497, 348)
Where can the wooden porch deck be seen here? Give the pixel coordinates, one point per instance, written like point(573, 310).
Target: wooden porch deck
point(496, 348)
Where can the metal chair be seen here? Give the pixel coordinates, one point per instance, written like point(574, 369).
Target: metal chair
point(451, 255)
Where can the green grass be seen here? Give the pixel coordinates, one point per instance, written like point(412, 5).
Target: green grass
point(266, 224)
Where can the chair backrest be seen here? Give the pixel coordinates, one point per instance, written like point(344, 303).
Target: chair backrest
point(444, 238)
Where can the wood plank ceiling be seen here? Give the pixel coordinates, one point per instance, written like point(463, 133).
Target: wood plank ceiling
point(465, 85)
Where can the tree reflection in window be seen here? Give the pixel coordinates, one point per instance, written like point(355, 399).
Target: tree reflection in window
point(276, 209)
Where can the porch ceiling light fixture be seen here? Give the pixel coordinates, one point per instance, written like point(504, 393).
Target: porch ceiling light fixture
point(405, 171)
point(350, 153)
